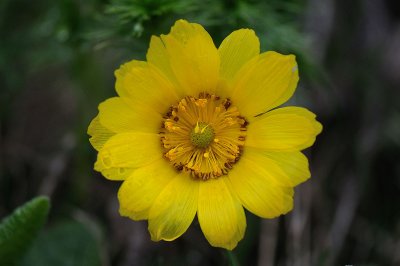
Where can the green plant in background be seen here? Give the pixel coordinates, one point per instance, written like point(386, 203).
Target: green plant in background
point(132, 14)
point(277, 22)
point(18, 230)
point(67, 243)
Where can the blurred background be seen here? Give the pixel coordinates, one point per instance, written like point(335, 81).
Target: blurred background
point(57, 60)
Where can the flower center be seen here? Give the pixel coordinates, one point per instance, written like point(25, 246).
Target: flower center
point(203, 136)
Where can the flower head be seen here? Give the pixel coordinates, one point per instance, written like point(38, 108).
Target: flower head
point(195, 130)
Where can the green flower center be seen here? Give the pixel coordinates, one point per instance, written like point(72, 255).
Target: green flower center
point(202, 135)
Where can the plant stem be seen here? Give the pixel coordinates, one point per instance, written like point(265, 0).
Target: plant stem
point(232, 258)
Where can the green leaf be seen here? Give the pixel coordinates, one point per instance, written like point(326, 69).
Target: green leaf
point(66, 244)
point(19, 229)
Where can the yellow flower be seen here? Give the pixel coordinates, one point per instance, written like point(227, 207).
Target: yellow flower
point(195, 130)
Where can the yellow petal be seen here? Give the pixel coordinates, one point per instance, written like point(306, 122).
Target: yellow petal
point(264, 83)
point(258, 192)
point(294, 164)
point(158, 57)
point(283, 168)
point(99, 134)
point(283, 129)
point(138, 193)
point(145, 87)
point(193, 57)
point(116, 174)
point(120, 116)
point(174, 209)
point(129, 150)
point(238, 48)
point(221, 216)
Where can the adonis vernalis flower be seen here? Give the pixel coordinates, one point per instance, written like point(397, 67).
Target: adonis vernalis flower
point(195, 130)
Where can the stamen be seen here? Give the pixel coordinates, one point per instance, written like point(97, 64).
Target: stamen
point(203, 136)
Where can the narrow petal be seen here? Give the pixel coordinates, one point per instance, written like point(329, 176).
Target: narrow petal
point(220, 214)
point(129, 150)
point(119, 116)
point(265, 83)
point(283, 129)
point(235, 50)
point(138, 193)
point(145, 87)
point(99, 134)
point(283, 168)
point(258, 192)
point(193, 57)
point(174, 209)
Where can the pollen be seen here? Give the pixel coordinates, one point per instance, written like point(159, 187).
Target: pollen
point(203, 136)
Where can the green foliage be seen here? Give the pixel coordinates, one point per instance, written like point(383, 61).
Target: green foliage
point(19, 229)
point(277, 23)
point(133, 13)
point(67, 244)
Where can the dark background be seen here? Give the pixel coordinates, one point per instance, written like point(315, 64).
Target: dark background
point(57, 60)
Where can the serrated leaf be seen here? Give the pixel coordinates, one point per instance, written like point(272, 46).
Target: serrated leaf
point(21, 227)
point(66, 244)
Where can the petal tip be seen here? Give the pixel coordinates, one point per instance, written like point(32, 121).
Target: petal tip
point(318, 127)
point(154, 236)
point(181, 20)
point(229, 245)
point(122, 212)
